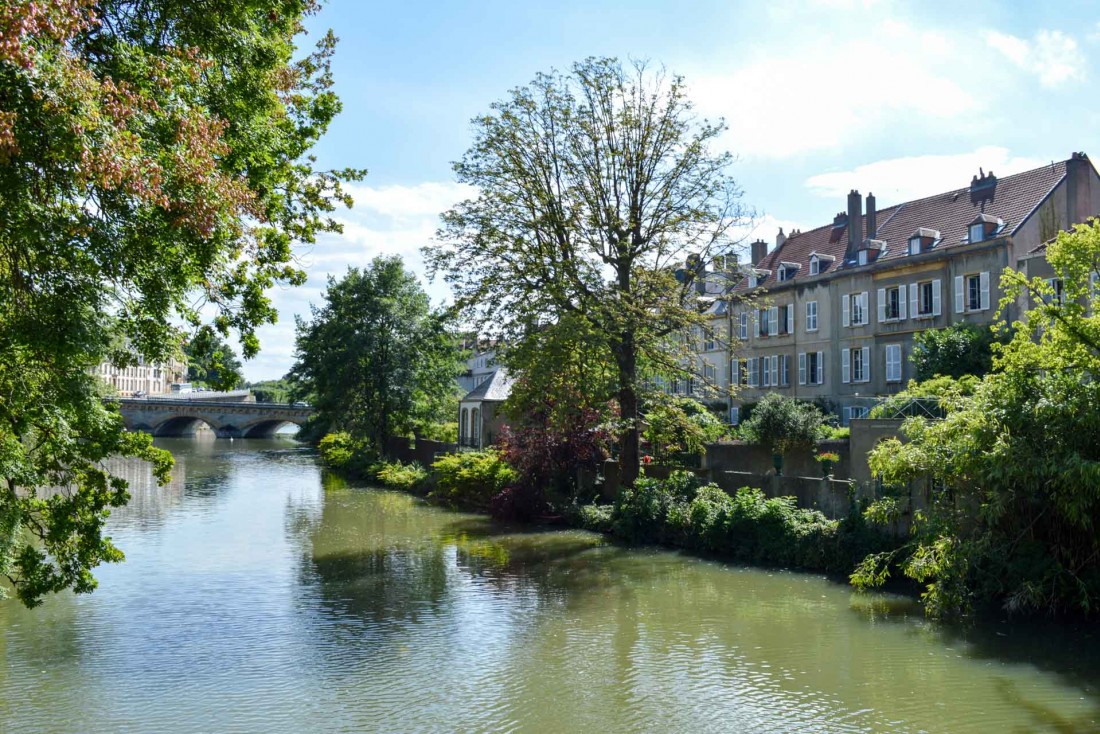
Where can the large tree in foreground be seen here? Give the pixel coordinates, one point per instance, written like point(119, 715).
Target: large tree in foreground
point(595, 186)
point(152, 169)
point(375, 360)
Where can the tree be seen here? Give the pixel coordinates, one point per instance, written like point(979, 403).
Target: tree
point(375, 360)
point(960, 349)
point(152, 168)
point(211, 361)
point(594, 188)
point(783, 424)
point(1013, 469)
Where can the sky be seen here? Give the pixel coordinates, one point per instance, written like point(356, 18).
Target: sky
point(821, 96)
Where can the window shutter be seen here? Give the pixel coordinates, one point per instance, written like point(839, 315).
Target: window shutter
point(901, 302)
point(959, 301)
point(790, 318)
point(820, 377)
point(864, 303)
point(914, 304)
point(984, 281)
point(754, 371)
point(744, 326)
point(735, 415)
point(801, 368)
point(866, 376)
point(773, 318)
point(847, 415)
point(756, 324)
point(881, 305)
point(775, 370)
point(845, 316)
point(937, 286)
point(845, 365)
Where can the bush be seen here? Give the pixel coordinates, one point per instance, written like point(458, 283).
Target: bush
point(840, 433)
point(471, 478)
point(747, 526)
point(442, 432)
point(596, 518)
point(781, 424)
point(405, 477)
point(347, 455)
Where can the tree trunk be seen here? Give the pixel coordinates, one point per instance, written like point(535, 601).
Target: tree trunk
point(626, 357)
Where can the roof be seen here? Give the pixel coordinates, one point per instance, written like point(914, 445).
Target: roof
point(497, 387)
point(1011, 199)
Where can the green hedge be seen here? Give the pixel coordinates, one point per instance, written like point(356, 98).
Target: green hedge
point(681, 511)
point(470, 478)
point(405, 477)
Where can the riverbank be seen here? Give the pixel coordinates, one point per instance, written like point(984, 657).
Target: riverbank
point(678, 512)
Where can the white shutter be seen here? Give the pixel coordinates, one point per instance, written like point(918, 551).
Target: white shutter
point(790, 318)
point(845, 365)
point(773, 319)
point(914, 304)
point(820, 377)
point(866, 376)
point(845, 317)
point(959, 299)
point(756, 323)
point(864, 310)
point(937, 287)
point(984, 281)
point(901, 302)
point(801, 368)
point(775, 370)
point(735, 415)
point(881, 305)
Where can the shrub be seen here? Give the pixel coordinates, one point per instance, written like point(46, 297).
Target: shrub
point(642, 512)
point(471, 478)
point(781, 424)
point(841, 433)
point(442, 432)
point(596, 518)
point(406, 477)
point(347, 455)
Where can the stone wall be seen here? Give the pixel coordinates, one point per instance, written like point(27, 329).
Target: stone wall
point(424, 451)
point(832, 497)
point(740, 456)
point(866, 433)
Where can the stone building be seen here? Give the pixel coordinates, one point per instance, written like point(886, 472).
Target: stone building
point(838, 306)
point(150, 379)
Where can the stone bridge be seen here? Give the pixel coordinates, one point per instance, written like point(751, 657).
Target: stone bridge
point(228, 419)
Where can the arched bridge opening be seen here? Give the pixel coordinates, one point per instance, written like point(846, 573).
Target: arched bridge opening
point(268, 429)
point(183, 426)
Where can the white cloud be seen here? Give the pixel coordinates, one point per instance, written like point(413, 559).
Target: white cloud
point(1051, 56)
point(912, 177)
point(798, 97)
point(386, 220)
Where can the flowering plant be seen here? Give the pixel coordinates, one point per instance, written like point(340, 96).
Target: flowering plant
point(828, 456)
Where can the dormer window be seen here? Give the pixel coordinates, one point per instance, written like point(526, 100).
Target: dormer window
point(984, 227)
point(923, 240)
point(863, 257)
point(819, 263)
point(787, 271)
point(756, 277)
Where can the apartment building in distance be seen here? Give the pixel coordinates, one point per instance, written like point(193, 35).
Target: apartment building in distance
point(142, 378)
point(838, 306)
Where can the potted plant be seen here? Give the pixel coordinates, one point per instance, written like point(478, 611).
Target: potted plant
point(827, 459)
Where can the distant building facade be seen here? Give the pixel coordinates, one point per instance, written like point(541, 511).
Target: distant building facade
point(150, 379)
point(837, 307)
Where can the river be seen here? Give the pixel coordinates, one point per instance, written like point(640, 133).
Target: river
point(257, 596)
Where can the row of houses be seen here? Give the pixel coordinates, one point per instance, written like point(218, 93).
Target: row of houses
point(830, 314)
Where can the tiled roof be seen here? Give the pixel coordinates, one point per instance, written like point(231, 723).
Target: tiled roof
point(1012, 200)
point(496, 388)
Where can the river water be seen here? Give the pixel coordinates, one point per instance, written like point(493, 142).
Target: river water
point(259, 597)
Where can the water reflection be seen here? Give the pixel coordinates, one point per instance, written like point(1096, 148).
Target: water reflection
point(260, 596)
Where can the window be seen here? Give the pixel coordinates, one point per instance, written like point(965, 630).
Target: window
point(763, 322)
point(893, 363)
point(786, 319)
point(710, 374)
point(754, 371)
point(1059, 292)
point(786, 273)
point(854, 308)
point(691, 385)
point(739, 371)
point(709, 342)
point(891, 304)
point(811, 315)
point(735, 415)
point(862, 255)
point(977, 232)
point(784, 370)
point(914, 246)
point(854, 412)
point(815, 265)
point(924, 298)
point(972, 292)
point(811, 368)
point(855, 365)
point(774, 364)
point(744, 333)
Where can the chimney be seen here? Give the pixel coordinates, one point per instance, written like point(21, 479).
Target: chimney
point(855, 224)
point(780, 239)
point(872, 218)
point(759, 251)
point(1078, 189)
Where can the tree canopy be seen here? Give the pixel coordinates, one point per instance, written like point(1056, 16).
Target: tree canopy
point(595, 186)
point(211, 362)
point(960, 349)
point(375, 360)
point(1013, 469)
point(153, 168)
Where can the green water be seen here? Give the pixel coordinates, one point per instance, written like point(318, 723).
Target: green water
point(256, 599)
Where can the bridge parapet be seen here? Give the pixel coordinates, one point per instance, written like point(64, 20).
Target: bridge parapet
point(229, 419)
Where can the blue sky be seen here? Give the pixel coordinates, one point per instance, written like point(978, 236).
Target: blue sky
point(821, 96)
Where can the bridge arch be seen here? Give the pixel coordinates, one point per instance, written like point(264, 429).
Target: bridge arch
point(267, 428)
point(182, 426)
